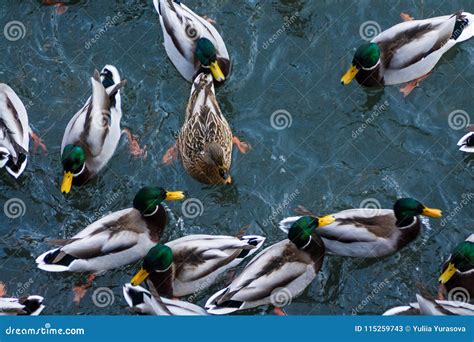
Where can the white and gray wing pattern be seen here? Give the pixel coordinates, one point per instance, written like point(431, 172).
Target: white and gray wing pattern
point(181, 29)
point(143, 302)
point(416, 46)
point(93, 126)
point(14, 132)
point(357, 232)
point(431, 307)
point(199, 256)
point(115, 240)
point(277, 267)
point(29, 305)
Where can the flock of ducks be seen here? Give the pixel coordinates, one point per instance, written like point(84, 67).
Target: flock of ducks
point(191, 264)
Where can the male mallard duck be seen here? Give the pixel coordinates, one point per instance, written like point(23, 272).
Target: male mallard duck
point(370, 233)
point(143, 302)
point(30, 305)
point(277, 274)
point(409, 50)
point(14, 132)
point(205, 140)
point(458, 270)
point(193, 263)
point(466, 143)
point(191, 42)
point(115, 240)
point(92, 135)
point(431, 307)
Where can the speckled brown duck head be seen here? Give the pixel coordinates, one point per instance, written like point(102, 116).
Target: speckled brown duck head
point(214, 164)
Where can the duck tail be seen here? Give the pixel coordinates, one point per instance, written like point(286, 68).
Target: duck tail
point(286, 223)
point(138, 299)
point(16, 168)
point(466, 143)
point(215, 305)
point(54, 260)
point(464, 26)
point(33, 305)
point(252, 240)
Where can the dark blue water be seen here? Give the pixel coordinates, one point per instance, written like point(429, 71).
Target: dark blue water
point(288, 57)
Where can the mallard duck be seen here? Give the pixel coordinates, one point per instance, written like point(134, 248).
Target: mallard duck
point(466, 143)
point(370, 233)
point(92, 135)
point(409, 50)
point(143, 302)
point(118, 239)
point(191, 42)
point(431, 307)
point(277, 274)
point(205, 140)
point(458, 271)
point(193, 263)
point(14, 132)
point(30, 305)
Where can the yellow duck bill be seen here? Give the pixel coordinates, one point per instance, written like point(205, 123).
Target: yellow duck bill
point(217, 72)
point(448, 273)
point(349, 75)
point(66, 184)
point(140, 277)
point(325, 220)
point(174, 195)
point(431, 212)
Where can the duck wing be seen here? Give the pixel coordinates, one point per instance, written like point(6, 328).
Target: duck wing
point(181, 29)
point(411, 49)
point(276, 266)
point(14, 127)
point(91, 125)
point(197, 256)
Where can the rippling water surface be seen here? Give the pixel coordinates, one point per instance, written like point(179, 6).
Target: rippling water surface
point(339, 145)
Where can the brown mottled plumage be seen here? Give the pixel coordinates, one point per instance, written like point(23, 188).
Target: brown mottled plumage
point(205, 140)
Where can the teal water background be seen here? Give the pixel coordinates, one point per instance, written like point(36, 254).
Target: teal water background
point(288, 57)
